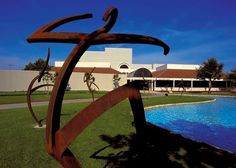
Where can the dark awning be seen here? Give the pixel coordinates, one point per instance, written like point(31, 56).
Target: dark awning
point(141, 72)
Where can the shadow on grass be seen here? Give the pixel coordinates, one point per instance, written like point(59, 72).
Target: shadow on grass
point(162, 149)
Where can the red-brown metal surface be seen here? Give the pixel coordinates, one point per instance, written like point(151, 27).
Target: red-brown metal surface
point(90, 80)
point(58, 139)
point(31, 90)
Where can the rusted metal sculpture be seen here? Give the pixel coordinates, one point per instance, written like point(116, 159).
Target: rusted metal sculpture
point(181, 85)
point(89, 79)
point(58, 139)
point(116, 80)
point(31, 90)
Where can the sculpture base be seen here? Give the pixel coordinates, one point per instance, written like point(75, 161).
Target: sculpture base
point(43, 126)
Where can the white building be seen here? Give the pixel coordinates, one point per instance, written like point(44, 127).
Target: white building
point(164, 77)
point(119, 59)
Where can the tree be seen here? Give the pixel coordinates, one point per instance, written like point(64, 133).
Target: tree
point(38, 65)
point(49, 78)
point(232, 78)
point(210, 70)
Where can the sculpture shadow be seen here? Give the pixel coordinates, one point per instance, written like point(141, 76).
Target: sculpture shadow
point(161, 149)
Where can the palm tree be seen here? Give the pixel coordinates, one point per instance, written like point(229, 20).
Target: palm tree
point(210, 70)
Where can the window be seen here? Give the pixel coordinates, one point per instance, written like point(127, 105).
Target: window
point(200, 83)
point(124, 67)
point(180, 83)
point(164, 83)
point(220, 84)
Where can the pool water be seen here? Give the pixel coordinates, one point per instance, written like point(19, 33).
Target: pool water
point(213, 123)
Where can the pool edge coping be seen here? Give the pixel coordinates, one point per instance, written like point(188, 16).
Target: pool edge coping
point(177, 104)
point(206, 95)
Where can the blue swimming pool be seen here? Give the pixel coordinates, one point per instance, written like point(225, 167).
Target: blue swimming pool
point(213, 123)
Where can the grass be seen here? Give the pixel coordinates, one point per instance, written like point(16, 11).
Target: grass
point(20, 97)
point(23, 146)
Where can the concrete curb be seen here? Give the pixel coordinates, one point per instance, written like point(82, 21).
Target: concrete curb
point(178, 104)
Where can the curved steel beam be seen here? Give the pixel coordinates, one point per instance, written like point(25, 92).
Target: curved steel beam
point(44, 34)
point(117, 38)
point(79, 122)
point(30, 90)
point(43, 71)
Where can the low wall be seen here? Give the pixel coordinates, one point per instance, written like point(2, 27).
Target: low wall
point(19, 80)
point(16, 80)
point(103, 81)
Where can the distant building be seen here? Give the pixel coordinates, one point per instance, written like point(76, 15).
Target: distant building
point(119, 59)
point(164, 77)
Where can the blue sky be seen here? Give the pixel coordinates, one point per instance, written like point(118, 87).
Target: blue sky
point(195, 30)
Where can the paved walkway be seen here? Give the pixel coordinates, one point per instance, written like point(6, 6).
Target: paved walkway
point(45, 103)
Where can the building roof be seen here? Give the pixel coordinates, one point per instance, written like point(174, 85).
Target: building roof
point(175, 73)
point(90, 69)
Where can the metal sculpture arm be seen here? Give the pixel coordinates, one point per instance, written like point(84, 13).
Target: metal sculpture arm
point(44, 34)
point(79, 122)
point(89, 80)
point(57, 140)
point(32, 89)
point(43, 71)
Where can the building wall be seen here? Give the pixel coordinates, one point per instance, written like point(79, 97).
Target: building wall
point(178, 66)
point(86, 64)
point(19, 80)
point(103, 81)
point(16, 80)
point(150, 67)
point(137, 66)
point(114, 56)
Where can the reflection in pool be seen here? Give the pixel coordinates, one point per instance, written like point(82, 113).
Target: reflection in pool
point(213, 123)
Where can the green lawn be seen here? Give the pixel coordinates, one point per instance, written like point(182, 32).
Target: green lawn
point(20, 97)
point(23, 146)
